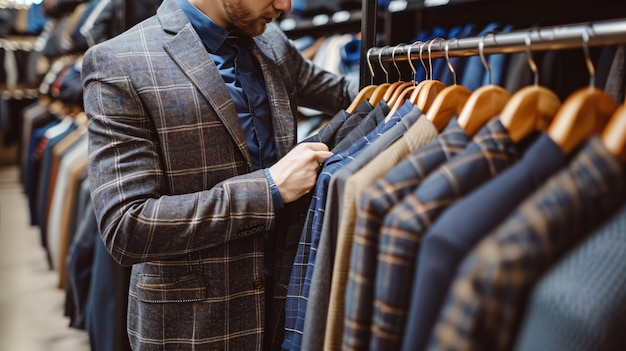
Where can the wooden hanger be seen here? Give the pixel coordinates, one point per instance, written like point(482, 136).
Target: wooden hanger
point(378, 93)
point(399, 90)
point(614, 134)
point(404, 95)
point(393, 88)
point(399, 100)
point(425, 92)
point(363, 94)
point(584, 112)
point(384, 87)
point(402, 85)
point(449, 102)
point(485, 102)
point(426, 95)
point(413, 94)
point(531, 108)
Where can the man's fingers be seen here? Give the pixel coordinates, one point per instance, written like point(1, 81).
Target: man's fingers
point(321, 156)
point(316, 146)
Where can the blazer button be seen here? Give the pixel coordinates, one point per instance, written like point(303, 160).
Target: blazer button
point(257, 283)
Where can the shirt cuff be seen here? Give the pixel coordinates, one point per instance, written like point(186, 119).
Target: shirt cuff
point(278, 199)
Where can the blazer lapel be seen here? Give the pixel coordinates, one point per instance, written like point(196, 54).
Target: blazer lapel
point(282, 114)
point(186, 49)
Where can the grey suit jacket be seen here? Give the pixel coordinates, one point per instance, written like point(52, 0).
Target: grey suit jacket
point(172, 185)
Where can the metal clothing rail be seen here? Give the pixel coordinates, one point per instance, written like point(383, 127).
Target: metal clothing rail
point(600, 33)
point(368, 35)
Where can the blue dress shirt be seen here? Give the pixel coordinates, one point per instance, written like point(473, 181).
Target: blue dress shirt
point(246, 85)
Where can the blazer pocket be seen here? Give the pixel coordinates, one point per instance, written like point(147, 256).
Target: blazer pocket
point(163, 289)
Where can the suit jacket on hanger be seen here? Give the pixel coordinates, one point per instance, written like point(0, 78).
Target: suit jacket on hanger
point(484, 305)
point(335, 212)
point(402, 179)
point(364, 127)
point(340, 126)
point(458, 230)
point(189, 213)
point(580, 303)
point(309, 238)
point(490, 152)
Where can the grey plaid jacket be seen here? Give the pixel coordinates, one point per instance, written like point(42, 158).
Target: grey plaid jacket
point(172, 185)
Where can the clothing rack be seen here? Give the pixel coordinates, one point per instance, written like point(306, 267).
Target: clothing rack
point(322, 24)
point(600, 33)
point(369, 15)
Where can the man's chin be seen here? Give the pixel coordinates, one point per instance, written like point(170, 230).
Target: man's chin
point(257, 31)
point(253, 29)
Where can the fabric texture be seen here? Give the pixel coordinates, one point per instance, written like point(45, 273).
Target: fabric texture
point(340, 125)
point(484, 305)
point(490, 152)
point(580, 303)
point(462, 226)
point(401, 180)
point(297, 291)
point(317, 300)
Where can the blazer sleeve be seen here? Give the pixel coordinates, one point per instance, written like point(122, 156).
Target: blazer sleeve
point(139, 218)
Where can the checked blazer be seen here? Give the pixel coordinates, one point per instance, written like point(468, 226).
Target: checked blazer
point(490, 152)
point(355, 265)
point(484, 305)
point(173, 187)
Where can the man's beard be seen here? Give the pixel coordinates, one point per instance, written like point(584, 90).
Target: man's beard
point(239, 15)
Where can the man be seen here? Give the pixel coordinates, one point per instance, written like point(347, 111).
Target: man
point(191, 158)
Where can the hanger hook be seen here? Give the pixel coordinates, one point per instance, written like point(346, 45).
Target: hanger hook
point(369, 64)
point(408, 56)
point(393, 58)
point(481, 52)
point(380, 62)
point(531, 61)
point(450, 67)
point(590, 67)
point(430, 58)
point(422, 60)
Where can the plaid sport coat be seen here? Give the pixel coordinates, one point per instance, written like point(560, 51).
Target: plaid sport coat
point(490, 152)
point(173, 187)
point(486, 301)
point(356, 264)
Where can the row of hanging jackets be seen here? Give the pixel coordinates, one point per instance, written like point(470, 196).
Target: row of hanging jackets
point(458, 219)
point(54, 176)
point(52, 138)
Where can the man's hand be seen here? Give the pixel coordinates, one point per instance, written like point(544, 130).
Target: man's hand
point(296, 173)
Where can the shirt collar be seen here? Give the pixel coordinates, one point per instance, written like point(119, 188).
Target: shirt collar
point(211, 34)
